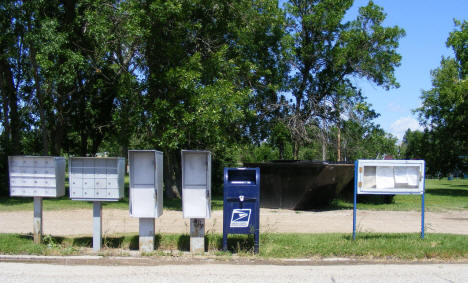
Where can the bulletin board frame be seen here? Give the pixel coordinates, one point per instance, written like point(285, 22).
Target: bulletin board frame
point(384, 177)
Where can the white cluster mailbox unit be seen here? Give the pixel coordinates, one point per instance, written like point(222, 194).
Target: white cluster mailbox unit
point(390, 176)
point(37, 176)
point(196, 183)
point(96, 179)
point(146, 183)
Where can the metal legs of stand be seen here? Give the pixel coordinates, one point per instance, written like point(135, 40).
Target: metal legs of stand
point(146, 232)
point(37, 222)
point(97, 226)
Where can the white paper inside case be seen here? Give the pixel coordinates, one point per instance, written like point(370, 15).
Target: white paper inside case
point(401, 175)
point(369, 177)
point(384, 177)
point(413, 176)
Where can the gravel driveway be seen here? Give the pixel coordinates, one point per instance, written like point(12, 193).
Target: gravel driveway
point(79, 222)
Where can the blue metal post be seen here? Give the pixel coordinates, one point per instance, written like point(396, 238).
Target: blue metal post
point(356, 169)
point(422, 204)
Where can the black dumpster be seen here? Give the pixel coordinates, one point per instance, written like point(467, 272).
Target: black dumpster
point(301, 185)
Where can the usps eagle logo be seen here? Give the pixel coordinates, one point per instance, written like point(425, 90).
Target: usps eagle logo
point(240, 218)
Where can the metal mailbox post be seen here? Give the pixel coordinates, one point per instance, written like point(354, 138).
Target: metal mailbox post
point(37, 177)
point(241, 212)
point(96, 179)
point(196, 194)
point(146, 192)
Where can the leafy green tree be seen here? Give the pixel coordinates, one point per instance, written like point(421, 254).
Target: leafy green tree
point(208, 62)
point(445, 106)
point(327, 52)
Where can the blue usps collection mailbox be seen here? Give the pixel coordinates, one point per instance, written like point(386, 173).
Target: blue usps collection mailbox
point(241, 213)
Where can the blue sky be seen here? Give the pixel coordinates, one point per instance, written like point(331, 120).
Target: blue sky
point(427, 25)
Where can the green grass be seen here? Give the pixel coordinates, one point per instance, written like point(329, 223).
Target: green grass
point(366, 246)
point(26, 203)
point(440, 195)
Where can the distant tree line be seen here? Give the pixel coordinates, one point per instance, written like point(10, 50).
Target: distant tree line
point(246, 79)
point(444, 113)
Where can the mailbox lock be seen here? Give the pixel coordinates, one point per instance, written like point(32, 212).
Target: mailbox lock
point(241, 198)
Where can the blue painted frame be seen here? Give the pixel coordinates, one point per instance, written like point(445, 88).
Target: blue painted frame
point(355, 200)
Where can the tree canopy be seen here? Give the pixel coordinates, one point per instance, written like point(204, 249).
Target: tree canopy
point(246, 79)
point(444, 109)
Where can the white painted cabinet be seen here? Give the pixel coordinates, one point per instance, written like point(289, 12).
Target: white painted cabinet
point(196, 183)
point(146, 183)
point(390, 176)
point(94, 178)
point(37, 176)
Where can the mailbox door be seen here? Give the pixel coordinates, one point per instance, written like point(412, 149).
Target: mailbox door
point(143, 202)
point(142, 184)
point(196, 184)
point(195, 203)
point(240, 216)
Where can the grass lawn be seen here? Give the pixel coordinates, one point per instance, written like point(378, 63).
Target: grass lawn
point(440, 195)
point(367, 245)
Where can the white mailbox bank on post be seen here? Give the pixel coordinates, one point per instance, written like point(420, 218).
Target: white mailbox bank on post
point(146, 192)
point(96, 179)
point(196, 194)
point(37, 177)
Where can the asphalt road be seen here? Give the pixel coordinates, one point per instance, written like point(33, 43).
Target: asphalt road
point(32, 272)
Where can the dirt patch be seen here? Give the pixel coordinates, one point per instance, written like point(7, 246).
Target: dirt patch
point(79, 222)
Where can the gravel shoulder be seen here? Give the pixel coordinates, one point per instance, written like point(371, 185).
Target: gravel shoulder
point(115, 221)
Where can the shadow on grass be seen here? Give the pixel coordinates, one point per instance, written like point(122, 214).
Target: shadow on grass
point(183, 243)
point(449, 192)
point(134, 244)
point(83, 242)
point(238, 243)
point(11, 201)
point(46, 239)
point(113, 242)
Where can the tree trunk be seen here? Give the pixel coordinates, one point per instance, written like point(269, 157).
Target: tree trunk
point(172, 174)
point(281, 150)
point(59, 126)
point(10, 108)
point(5, 92)
point(338, 145)
point(40, 99)
point(324, 146)
point(296, 150)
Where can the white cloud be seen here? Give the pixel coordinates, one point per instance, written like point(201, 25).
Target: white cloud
point(400, 126)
